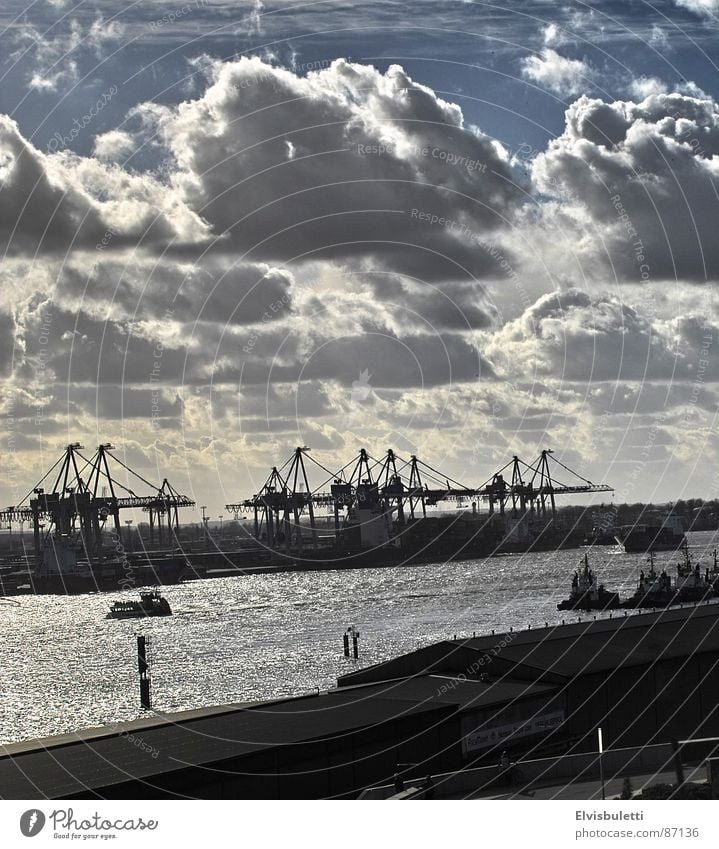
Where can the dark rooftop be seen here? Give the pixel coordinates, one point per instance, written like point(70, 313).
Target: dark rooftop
point(590, 645)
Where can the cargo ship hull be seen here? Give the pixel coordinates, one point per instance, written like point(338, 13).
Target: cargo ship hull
point(101, 578)
point(644, 541)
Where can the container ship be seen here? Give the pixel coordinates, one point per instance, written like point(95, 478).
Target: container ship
point(660, 532)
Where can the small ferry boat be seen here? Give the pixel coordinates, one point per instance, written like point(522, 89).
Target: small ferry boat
point(586, 594)
point(150, 604)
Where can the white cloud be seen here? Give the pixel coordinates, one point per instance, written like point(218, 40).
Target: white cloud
point(49, 203)
point(658, 39)
point(114, 145)
point(644, 86)
point(640, 179)
point(557, 73)
point(54, 58)
point(574, 336)
point(700, 7)
point(554, 35)
point(254, 19)
point(345, 162)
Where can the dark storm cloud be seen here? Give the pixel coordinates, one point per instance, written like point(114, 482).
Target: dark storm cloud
point(642, 176)
point(389, 360)
point(333, 164)
point(9, 352)
point(214, 291)
point(53, 204)
point(452, 305)
point(575, 336)
point(113, 402)
point(78, 349)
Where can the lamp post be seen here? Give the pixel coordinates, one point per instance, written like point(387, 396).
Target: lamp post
point(601, 764)
point(128, 522)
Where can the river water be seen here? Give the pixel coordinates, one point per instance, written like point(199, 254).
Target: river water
point(65, 666)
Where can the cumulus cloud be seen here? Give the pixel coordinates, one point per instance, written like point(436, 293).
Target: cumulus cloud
point(333, 164)
point(50, 203)
point(114, 145)
point(574, 336)
point(700, 7)
point(641, 177)
point(557, 73)
point(643, 87)
point(356, 230)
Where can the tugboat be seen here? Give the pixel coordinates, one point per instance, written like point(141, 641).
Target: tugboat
point(653, 590)
point(150, 604)
point(691, 584)
point(713, 576)
point(586, 594)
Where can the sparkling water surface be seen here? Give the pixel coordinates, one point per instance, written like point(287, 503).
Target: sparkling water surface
point(65, 666)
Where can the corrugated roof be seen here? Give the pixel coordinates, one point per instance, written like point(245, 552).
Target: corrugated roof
point(594, 646)
point(464, 694)
point(63, 767)
point(566, 650)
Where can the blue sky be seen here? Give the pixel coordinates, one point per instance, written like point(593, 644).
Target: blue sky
point(469, 51)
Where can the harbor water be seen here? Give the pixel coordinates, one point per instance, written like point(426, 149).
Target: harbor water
point(65, 666)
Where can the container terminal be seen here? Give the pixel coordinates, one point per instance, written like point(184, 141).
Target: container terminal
point(447, 712)
point(378, 512)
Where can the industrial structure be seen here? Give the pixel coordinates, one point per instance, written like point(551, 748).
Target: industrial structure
point(373, 511)
point(374, 501)
point(70, 517)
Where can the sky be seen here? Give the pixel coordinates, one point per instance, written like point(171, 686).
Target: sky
point(461, 230)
